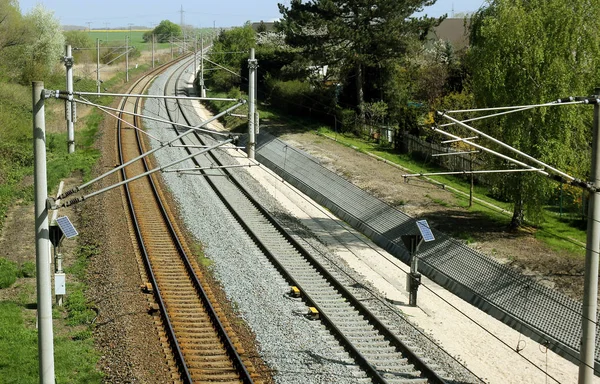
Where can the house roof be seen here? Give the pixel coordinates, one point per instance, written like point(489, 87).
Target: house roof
point(454, 30)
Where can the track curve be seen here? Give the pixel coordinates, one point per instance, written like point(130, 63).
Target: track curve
point(202, 343)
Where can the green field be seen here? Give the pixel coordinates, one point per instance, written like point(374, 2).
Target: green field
point(117, 38)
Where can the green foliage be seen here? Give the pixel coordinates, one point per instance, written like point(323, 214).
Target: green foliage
point(297, 97)
point(78, 39)
point(44, 48)
point(528, 53)
point(355, 35)
point(8, 273)
point(164, 32)
point(13, 37)
point(230, 51)
point(81, 44)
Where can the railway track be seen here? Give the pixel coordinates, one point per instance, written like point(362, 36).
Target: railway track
point(203, 345)
point(383, 356)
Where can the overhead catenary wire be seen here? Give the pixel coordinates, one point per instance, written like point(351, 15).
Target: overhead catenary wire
point(516, 107)
point(162, 145)
point(164, 167)
point(489, 150)
point(510, 111)
point(103, 109)
point(87, 102)
point(211, 167)
point(472, 172)
point(64, 93)
point(512, 149)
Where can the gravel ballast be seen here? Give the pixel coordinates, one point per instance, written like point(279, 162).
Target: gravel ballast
point(297, 349)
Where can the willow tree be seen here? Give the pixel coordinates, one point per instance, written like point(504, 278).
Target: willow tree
point(535, 51)
point(354, 33)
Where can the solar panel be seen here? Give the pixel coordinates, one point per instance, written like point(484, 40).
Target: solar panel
point(425, 230)
point(66, 227)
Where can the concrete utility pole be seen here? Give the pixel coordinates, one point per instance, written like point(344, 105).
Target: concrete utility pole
point(196, 56)
point(42, 239)
point(68, 104)
point(590, 293)
point(252, 65)
point(202, 89)
point(153, 50)
point(98, 65)
point(126, 59)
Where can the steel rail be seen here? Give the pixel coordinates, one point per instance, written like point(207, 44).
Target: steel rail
point(228, 344)
point(175, 347)
point(410, 355)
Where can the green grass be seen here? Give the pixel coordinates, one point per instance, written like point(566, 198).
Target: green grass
point(75, 360)
point(8, 273)
point(74, 354)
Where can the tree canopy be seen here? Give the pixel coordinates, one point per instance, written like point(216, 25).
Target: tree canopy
point(30, 45)
point(354, 34)
point(530, 52)
point(163, 32)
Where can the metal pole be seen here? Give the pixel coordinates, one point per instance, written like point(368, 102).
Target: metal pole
point(126, 59)
point(196, 57)
point(251, 133)
point(171, 40)
point(68, 103)
point(42, 239)
point(471, 188)
point(202, 89)
point(153, 50)
point(590, 293)
point(98, 65)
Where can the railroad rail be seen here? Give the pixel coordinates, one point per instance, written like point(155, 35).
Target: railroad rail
point(204, 347)
point(382, 355)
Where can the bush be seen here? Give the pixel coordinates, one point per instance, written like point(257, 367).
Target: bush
point(301, 98)
point(8, 273)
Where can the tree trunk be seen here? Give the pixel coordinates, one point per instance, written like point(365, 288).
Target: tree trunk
point(518, 215)
point(360, 96)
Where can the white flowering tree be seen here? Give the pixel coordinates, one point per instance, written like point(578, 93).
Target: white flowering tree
point(45, 44)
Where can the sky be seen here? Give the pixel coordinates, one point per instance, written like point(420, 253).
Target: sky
point(198, 13)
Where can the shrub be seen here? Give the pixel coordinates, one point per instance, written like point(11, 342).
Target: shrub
point(8, 273)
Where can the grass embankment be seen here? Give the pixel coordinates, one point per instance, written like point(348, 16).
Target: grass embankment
point(75, 357)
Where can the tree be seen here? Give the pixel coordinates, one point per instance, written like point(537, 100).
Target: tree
point(81, 43)
point(11, 24)
point(163, 32)
point(13, 36)
point(354, 34)
point(262, 27)
point(46, 44)
point(529, 52)
point(230, 49)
